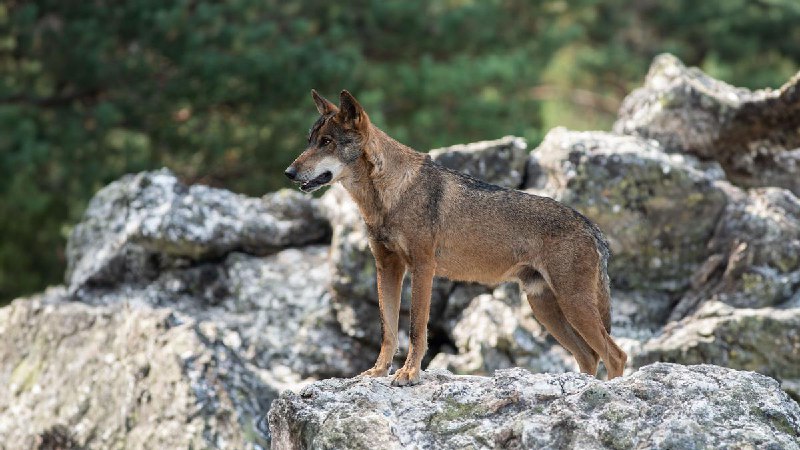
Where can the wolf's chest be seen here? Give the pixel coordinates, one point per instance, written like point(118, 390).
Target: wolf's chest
point(389, 237)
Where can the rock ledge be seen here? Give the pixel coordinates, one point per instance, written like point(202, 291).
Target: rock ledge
point(659, 406)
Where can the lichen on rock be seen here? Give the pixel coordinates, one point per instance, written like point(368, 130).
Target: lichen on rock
point(753, 134)
point(659, 406)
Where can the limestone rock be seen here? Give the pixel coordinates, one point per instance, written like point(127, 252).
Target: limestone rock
point(140, 224)
point(754, 255)
point(657, 210)
point(276, 310)
point(753, 134)
point(765, 340)
point(498, 331)
point(659, 406)
point(117, 377)
point(500, 162)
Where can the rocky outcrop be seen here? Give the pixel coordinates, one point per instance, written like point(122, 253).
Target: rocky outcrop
point(276, 309)
point(754, 255)
point(497, 331)
point(142, 224)
point(223, 301)
point(753, 134)
point(118, 377)
point(501, 162)
point(764, 340)
point(660, 406)
point(657, 210)
point(194, 282)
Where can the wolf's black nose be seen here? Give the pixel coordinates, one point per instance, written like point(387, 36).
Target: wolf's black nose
point(291, 173)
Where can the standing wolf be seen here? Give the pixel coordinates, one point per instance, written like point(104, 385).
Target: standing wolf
point(429, 220)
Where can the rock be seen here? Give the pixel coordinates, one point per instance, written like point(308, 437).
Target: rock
point(123, 377)
point(753, 134)
point(498, 331)
point(659, 406)
point(277, 309)
point(754, 255)
point(639, 313)
point(500, 162)
point(140, 224)
point(764, 340)
point(657, 210)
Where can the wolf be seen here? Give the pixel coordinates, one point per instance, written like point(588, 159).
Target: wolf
point(428, 220)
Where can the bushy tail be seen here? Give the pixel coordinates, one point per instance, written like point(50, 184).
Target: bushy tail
point(604, 283)
point(604, 288)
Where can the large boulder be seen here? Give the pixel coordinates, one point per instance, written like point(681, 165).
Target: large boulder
point(276, 309)
point(657, 210)
point(498, 331)
point(753, 134)
point(754, 255)
point(500, 162)
point(123, 377)
point(765, 340)
point(660, 406)
point(140, 224)
point(151, 250)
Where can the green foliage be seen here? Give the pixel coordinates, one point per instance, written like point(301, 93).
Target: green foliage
point(218, 91)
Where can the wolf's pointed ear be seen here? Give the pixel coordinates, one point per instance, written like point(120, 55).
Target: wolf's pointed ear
point(324, 106)
point(350, 111)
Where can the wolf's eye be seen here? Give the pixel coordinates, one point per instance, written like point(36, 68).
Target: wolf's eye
point(324, 141)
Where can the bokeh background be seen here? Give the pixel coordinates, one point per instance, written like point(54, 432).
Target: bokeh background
point(219, 90)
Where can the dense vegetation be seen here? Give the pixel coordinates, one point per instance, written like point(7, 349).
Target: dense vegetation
point(219, 91)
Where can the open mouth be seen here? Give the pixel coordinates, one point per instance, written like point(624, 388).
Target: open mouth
point(316, 183)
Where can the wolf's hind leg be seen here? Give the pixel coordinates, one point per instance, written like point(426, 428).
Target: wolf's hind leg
point(548, 313)
point(580, 309)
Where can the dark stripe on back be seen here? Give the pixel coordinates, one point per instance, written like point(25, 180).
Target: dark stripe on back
point(435, 187)
point(467, 180)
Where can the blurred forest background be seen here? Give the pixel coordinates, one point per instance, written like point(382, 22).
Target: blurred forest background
point(219, 90)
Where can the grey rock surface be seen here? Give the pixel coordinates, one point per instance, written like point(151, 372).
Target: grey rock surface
point(754, 255)
point(753, 134)
point(765, 340)
point(500, 162)
point(498, 331)
point(188, 308)
point(123, 377)
point(137, 226)
point(657, 210)
point(276, 310)
point(659, 406)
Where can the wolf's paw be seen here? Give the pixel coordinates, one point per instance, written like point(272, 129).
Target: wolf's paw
point(406, 376)
point(375, 372)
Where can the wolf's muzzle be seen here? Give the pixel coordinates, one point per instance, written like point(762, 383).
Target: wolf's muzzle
point(316, 183)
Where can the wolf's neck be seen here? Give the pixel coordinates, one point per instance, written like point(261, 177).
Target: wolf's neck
point(387, 170)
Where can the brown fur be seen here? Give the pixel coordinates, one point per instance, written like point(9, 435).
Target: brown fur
point(429, 220)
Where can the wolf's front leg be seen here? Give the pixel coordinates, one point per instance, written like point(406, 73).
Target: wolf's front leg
point(421, 282)
point(390, 280)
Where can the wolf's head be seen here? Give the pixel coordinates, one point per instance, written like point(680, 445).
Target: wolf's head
point(335, 142)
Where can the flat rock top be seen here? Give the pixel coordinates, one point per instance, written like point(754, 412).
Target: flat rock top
point(659, 406)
